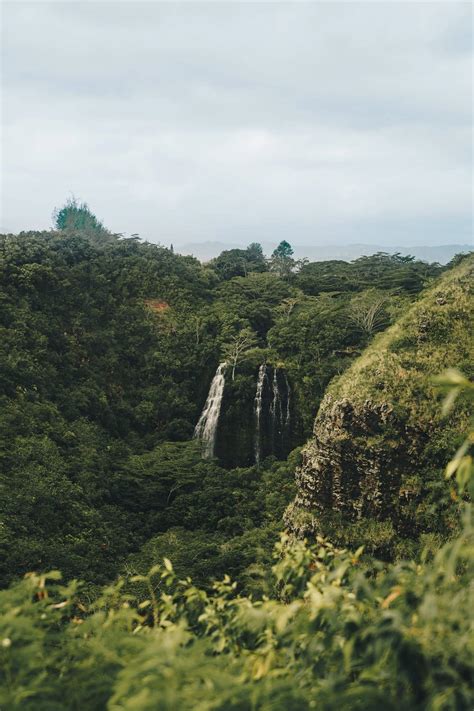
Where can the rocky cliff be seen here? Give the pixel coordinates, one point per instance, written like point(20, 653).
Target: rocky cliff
point(372, 472)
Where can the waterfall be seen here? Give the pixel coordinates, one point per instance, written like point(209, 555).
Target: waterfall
point(206, 428)
point(262, 374)
point(288, 399)
point(275, 407)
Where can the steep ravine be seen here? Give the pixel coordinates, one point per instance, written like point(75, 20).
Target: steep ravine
point(380, 441)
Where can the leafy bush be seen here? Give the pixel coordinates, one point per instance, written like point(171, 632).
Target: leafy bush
point(342, 632)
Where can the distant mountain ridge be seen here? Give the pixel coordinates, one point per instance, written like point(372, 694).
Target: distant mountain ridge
point(205, 251)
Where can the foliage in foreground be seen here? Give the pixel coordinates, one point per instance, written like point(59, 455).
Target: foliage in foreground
point(342, 633)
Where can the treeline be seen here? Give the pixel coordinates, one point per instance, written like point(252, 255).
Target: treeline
point(379, 271)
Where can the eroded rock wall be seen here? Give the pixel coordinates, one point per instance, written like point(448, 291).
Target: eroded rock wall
point(379, 434)
point(351, 465)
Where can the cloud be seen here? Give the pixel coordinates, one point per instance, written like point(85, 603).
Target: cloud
point(235, 121)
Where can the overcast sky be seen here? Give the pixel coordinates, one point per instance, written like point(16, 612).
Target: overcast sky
point(314, 122)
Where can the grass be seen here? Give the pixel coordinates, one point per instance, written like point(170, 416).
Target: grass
point(399, 365)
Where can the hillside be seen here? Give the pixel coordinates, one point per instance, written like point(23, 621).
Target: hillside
point(371, 472)
point(108, 352)
point(141, 565)
point(236, 397)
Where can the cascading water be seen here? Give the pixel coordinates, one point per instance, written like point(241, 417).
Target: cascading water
point(272, 419)
point(206, 428)
point(288, 400)
point(262, 374)
point(275, 407)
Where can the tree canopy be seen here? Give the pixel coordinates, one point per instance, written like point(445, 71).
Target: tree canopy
point(108, 347)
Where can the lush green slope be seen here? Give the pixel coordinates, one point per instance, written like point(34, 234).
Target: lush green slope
point(107, 351)
point(97, 386)
point(88, 377)
point(340, 633)
point(370, 474)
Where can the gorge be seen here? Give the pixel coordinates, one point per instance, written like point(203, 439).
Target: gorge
point(157, 484)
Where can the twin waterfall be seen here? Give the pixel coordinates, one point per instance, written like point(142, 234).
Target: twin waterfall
point(270, 432)
point(270, 440)
point(206, 428)
point(262, 376)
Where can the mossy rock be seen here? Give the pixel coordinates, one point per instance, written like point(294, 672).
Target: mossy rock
point(380, 425)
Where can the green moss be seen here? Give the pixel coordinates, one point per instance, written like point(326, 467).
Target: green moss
point(377, 537)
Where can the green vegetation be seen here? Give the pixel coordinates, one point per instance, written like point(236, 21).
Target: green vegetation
point(372, 473)
point(107, 349)
point(76, 217)
point(340, 631)
point(435, 331)
point(239, 262)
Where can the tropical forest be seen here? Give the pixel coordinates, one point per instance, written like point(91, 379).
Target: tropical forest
point(243, 484)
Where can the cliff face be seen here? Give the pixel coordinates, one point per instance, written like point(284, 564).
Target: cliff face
point(339, 471)
point(379, 439)
point(238, 435)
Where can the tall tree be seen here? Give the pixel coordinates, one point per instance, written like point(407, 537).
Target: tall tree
point(282, 261)
point(240, 262)
point(75, 215)
point(237, 347)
